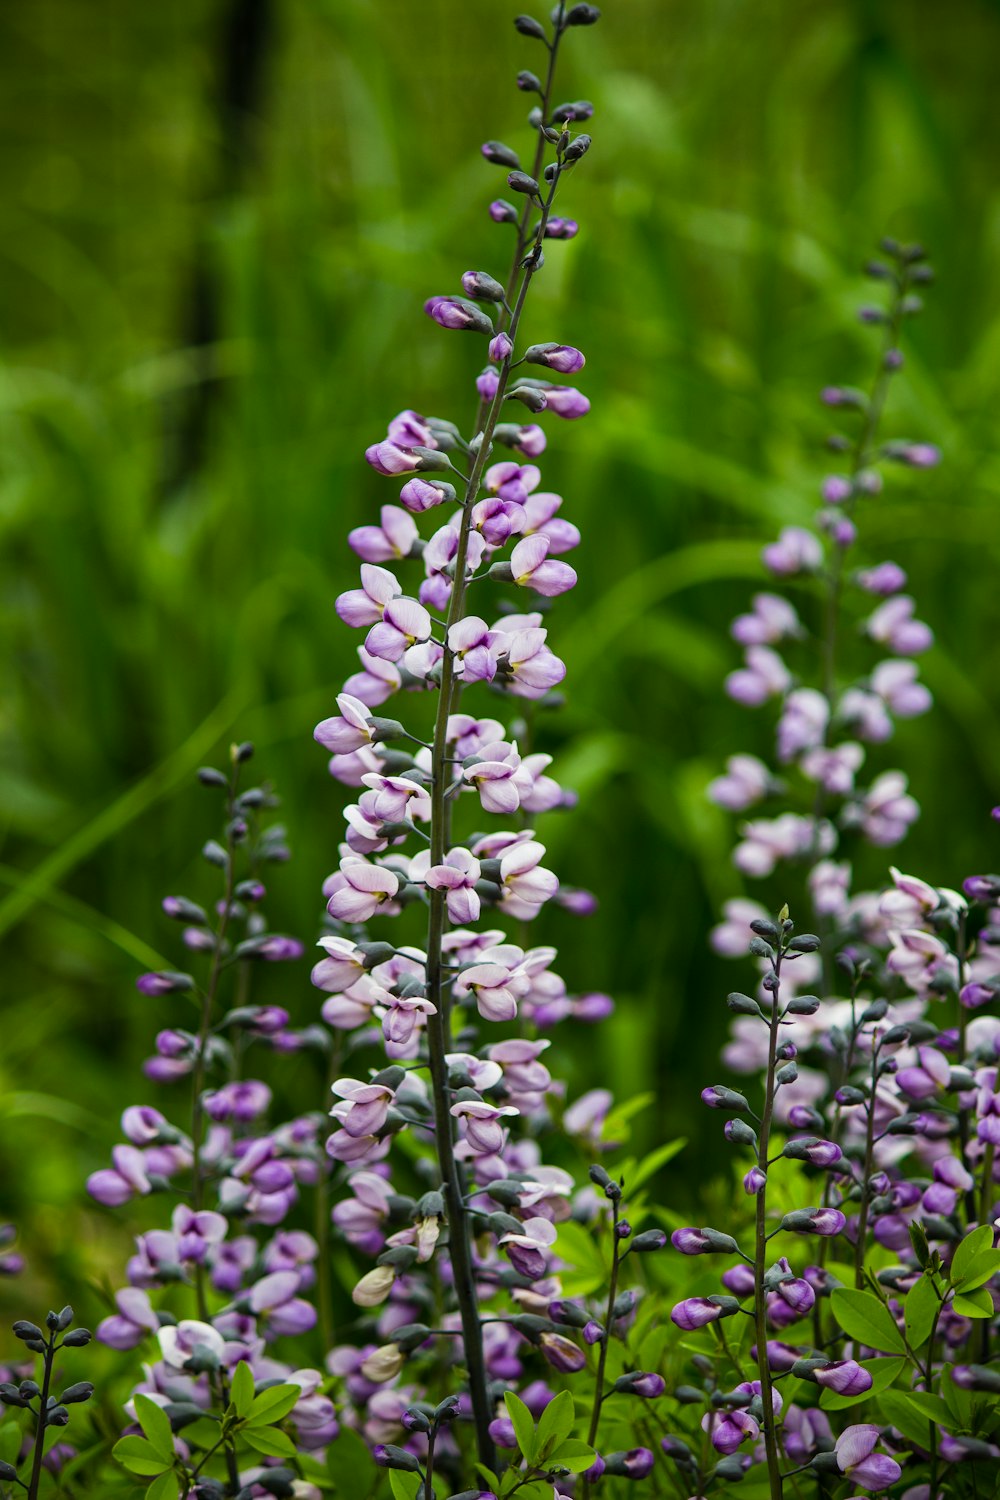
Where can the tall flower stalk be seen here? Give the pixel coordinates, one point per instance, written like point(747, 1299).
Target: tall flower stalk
point(434, 642)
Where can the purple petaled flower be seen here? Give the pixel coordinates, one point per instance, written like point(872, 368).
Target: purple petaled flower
point(795, 551)
point(458, 313)
point(163, 983)
point(856, 1457)
point(844, 1376)
point(637, 1463)
point(561, 229)
point(502, 212)
point(728, 1429)
point(696, 1312)
point(561, 1353)
point(501, 348)
point(560, 357)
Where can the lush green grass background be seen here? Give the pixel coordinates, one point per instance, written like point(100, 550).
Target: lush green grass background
point(173, 513)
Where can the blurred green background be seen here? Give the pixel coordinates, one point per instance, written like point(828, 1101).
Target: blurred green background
point(218, 222)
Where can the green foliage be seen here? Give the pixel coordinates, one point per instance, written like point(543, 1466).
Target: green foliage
point(863, 1317)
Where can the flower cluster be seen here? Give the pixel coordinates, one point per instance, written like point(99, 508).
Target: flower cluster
point(883, 1087)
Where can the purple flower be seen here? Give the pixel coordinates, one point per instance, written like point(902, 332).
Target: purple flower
point(163, 983)
point(696, 1312)
point(728, 1429)
point(561, 229)
point(893, 625)
point(845, 1376)
point(561, 1353)
point(458, 313)
point(561, 357)
point(502, 212)
point(501, 348)
point(795, 551)
point(566, 401)
point(858, 1460)
point(887, 578)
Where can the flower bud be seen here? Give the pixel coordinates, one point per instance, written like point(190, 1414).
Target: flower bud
point(637, 1463)
point(577, 148)
point(500, 155)
point(648, 1240)
point(482, 286)
point(163, 983)
point(641, 1383)
point(82, 1391)
point(529, 83)
point(561, 357)
point(520, 182)
point(528, 26)
point(502, 212)
point(77, 1337)
point(388, 1456)
point(462, 315)
point(719, 1097)
point(583, 15)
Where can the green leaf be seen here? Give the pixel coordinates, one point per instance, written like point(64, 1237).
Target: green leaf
point(981, 1269)
point(156, 1425)
point(653, 1162)
point(931, 1406)
point(573, 1454)
point(615, 1128)
point(977, 1304)
point(488, 1476)
point(555, 1424)
point(538, 1489)
point(10, 1442)
point(241, 1389)
point(164, 1488)
point(863, 1317)
point(269, 1440)
point(524, 1427)
point(882, 1371)
point(921, 1308)
point(980, 1239)
point(349, 1463)
point(140, 1457)
point(404, 1486)
point(897, 1408)
point(580, 1251)
point(273, 1404)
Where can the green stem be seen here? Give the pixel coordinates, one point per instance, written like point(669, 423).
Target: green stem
point(39, 1453)
point(760, 1252)
point(862, 1229)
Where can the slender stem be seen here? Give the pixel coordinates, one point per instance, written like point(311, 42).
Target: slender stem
point(602, 1358)
point(427, 1492)
point(39, 1454)
point(760, 1252)
point(862, 1229)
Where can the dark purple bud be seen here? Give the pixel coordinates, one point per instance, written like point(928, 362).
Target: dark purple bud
point(641, 1383)
point(754, 1180)
point(528, 82)
point(502, 1432)
point(163, 983)
point(596, 1469)
point(482, 286)
point(520, 182)
point(648, 1240)
point(388, 1456)
point(976, 1378)
point(77, 1337)
point(528, 26)
point(415, 1421)
point(502, 212)
point(719, 1097)
point(500, 155)
point(579, 109)
point(457, 313)
point(623, 1229)
point(183, 910)
point(577, 148)
point(739, 1133)
point(501, 348)
point(82, 1391)
point(637, 1463)
point(561, 229)
point(801, 1116)
point(586, 15)
point(561, 357)
point(973, 995)
point(817, 1152)
point(593, 1332)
